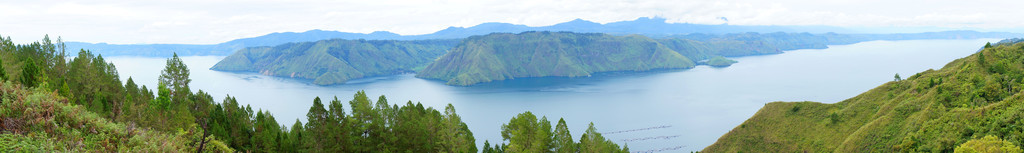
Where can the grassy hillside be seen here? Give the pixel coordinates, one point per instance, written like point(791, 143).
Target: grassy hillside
point(34, 120)
point(336, 61)
point(503, 56)
point(932, 111)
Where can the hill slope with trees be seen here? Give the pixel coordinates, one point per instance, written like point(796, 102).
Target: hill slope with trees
point(978, 98)
point(502, 56)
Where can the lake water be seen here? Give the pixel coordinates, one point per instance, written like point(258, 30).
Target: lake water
point(685, 109)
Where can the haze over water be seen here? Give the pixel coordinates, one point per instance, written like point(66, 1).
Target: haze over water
point(691, 108)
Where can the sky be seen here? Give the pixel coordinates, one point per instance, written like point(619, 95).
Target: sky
point(216, 21)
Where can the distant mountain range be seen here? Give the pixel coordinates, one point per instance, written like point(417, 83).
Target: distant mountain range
point(651, 27)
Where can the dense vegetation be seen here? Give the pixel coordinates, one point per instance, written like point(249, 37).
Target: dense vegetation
point(719, 61)
point(336, 61)
point(502, 56)
point(525, 133)
point(35, 120)
point(987, 144)
point(81, 105)
point(976, 97)
point(53, 105)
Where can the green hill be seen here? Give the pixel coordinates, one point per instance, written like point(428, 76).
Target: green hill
point(336, 61)
point(719, 61)
point(502, 56)
point(932, 111)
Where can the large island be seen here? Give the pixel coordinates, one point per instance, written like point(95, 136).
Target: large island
point(502, 56)
point(335, 61)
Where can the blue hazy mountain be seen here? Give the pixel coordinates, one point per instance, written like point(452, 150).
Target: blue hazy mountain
point(651, 27)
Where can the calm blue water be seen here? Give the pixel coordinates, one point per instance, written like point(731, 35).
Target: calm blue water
point(688, 108)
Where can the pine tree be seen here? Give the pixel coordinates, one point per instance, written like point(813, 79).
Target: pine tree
point(592, 141)
point(563, 142)
point(3, 72)
point(163, 99)
point(29, 73)
point(526, 134)
point(487, 147)
point(453, 137)
point(981, 58)
point(338, 128)
point(175, 77)
point(543, 135)
point(295, 136)
point(317, 139)
point(362, 115)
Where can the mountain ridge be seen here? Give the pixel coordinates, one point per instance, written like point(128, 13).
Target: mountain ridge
point(693, 47)
point(502, 56)
point(641, 25)
point(335, 61)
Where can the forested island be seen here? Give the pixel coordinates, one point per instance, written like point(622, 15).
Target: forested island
point(719, 61)
point(50, 104)
point(335, 61)
point(971, 104)
point(503, 56)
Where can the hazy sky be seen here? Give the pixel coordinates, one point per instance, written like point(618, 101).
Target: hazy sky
point(215, 21)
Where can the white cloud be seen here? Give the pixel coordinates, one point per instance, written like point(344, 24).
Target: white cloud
point(215, 21)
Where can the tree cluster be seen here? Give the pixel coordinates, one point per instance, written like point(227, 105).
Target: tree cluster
point(525, 133)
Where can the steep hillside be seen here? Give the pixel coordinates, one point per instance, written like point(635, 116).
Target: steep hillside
point(336, 61)
point(932, 111)
point(35, 120)
point(644, 25)
point(503, 56)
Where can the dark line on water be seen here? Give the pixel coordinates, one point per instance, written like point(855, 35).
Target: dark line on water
point(652, 138)
point(640, 129)
point(660, 150)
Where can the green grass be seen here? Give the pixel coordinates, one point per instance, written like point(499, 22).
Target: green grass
point(933, 111)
